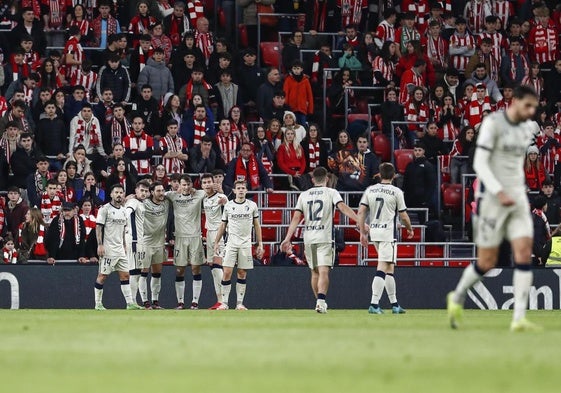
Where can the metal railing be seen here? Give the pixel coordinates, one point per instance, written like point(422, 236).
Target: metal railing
point(326, 72)
point(439, 178)
point(334, 37)
point(466, 179)
point(259, 16)
point(401, 123)
point(312, 51)
point(357, 88)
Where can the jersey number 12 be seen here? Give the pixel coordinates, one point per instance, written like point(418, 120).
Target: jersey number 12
point(315, 209)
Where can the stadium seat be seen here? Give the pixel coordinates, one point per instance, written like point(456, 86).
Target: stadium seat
point(270, 52)
point(277, 199)
point(458, 263)
point(402, 158)
point(433, 251)
point(418, 233)
point(271, 217)
point(382, 147)
point(349, 256)
point(243, 36)
point(432, 264)
point(221, 17)
point(351, 234)
point(357, 116)
point(406, 251)
point(361, 104)
point(378, 121)
point(452, 197)
point(269, 233)
point(333, 115)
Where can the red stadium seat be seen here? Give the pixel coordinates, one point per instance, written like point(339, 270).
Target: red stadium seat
point(270, 52)
point(452, 197)
point(417, 234)
point(378, 120)
point(269, 234)
point(349, 256)
point(333, 115)
point(244, 37)
point(336, 217)
point(458, 263)
point(444, 163)
point(432, 264)
point(357, 116)
point(362, 105)
point(382, 147)
point(402, 158)
point(221, 17)
point(406, 251)
point(277, 199)
point(351, 235)
point(271, 217)
point(434, 251)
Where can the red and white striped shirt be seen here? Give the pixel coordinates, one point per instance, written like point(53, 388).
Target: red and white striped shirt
point(543, 43)
point(89, 223)
point(87, 80)
point(475, 13)
point(386, 69)
point(460, 62)
point(50, 208)
point(384, 32)
point(420, 8)
point(551, 156)
point(498, 43)
point(176, 145)
point(74, 48)
point(437, 49)
point(142, 143)
point(536, 83)
point(503, 10)
point(228, 146)
point(351, 11)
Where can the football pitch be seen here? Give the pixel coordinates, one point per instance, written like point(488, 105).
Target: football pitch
point(275, 351)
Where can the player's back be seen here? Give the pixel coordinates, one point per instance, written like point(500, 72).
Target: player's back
point(384, 202)
point(317, 205)
point(155, 222)
point(508, 144)
point(187, 213)
point(134, 209)
point(114, 221)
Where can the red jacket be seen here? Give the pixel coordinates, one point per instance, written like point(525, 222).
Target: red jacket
point(406, 62)
point(299, 95)
point(288, 161)
point(535, 176)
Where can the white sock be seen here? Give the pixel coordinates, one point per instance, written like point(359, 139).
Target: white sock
point(226, 288)
point(522, 281)
point(98, 294)
point(197, 287)
point(134, 278)
point(217, 274)
point(377, 287)
point(126, 290)
point(155, 287)
point(390, 288)
point(470, 276)
point(143, 288)
point(240, 291)
point(180, 289)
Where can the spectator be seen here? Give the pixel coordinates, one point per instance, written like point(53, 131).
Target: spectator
point(24, 160)
point(159, 175)
point(249, 17)
point(176, 24)
point(51, 201)
point(237, 124)
point(73, 53)
point(103, 111)
point(139, 146)
point(221, 47)
point(535, 172)
point(290, 123)
point(9, 252)
point(87, 213)
point(187, 46)
point(266, 93)
point(85, 130)
point(104, 25)
point(349, 59)
point(246, 167)
point(194, 129)
point(434, 146)
point(392, 111)
point(74, 103)
point(196, 85)
point(386, 28)
point(141, 23)
point(227, 143)
point(120, 175)
point(224, 63)
point(279, 105)
point(171, 111)
point(183, 69)
point(78, 17)
point(249, 77)
point(299, 93)
point(113, 49)
point(290, 159)
point(351, 37)
point(463, 146)
point(30, 26)
point(437, 47)
point(65, 189)
point(480, 76)
point(31, 236)
point(543, 40)
point(462, 46)
point(275, 133)
point(115, 77)
point(419, 181)
point(66, 236)
point(174, 149)
point(226, 94)
point(542, 231)
point(322, 59)
point(26, 84)
point(10, 140)
point(475, 12)
point(383, 66)
point(478, 105)
point(36, 183)
point(291, 50)
point(91, 192)
point(17, 114)
point(263, 149)
point(119, 128)
point(411, 78)
point(83, 163)
point(549, 144)
point(147, 106)
point(358, 168)
point(157, 75)
point(76, 182)
point(417, 113)
point(484, 55)
point(15, 211)
point(407, 32)
point(140, 56)
point(553, 202)
point(204, 39)
point(49, 77)
point(203, 158)
point(448, 118)
point(45, 95)
point(514, 65)
point(119, 154)
point(162, 41)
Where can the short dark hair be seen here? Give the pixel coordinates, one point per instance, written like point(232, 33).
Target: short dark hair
point(19, 103)
point(42, 159)
point(143, 183)
point(387, 171)
point(71, 163)
point(217, 172)
point(146, 86)
point(206, 176)
point(145, 37)
point(539, 202)
point(26, 135)
point(158, 50)
point(14, 189)
point(320, 174)
point(206, 139)
point(187, 178)
point(50, 182)
point(546, 182)
point(520, 92)
point(114, 186)
point(155, 184)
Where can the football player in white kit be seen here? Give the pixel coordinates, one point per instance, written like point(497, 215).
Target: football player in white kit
point(384, 202)
point(317, 205)
point(212, 206)
point(503, 211)
point(110, 231)
point(134, 234)
point(240, 216)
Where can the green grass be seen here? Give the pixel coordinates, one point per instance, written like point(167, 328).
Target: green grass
point(274, 351)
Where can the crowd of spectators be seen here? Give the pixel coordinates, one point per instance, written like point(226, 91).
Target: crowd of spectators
point(153, 88)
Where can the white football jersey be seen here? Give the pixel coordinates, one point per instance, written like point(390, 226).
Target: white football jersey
point(213, 211)
point(134, 234)
point(317, 205)
point(384, 202)
point(239, 217)
point(114, 221)
point(187, 213)
point(155, 223)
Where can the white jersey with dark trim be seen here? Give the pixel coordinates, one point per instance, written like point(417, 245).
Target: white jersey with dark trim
point(134, 234)
point(114, 221)
point(239, 217)
point(213, 211)
point(384, 202)
point(317, 205)
point(187, 213)
point(155, 223)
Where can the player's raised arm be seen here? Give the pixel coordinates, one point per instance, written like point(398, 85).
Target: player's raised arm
point(291, 229)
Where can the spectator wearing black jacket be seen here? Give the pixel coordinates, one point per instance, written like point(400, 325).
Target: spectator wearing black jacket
point(115, 77)
point(66, 236)
point(147, 107)
point(74, 103)
point(391, 110)
point(360, 168)
point(52, 136)
point(279, 106)
point(434, 146)
point(249, 77)
point(419, 181)
point(246, 167)
point(267, 91)
point(203, 158)
point(553, 200)
point(28, 25)
point(24, 160)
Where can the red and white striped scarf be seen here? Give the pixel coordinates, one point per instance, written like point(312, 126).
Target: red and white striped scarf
point(28, 94)
point(57, 10)
point(39, 247)
point(195, 10)
point(313, 154)
point(503, 105)
point(436, 49)
point(22, 120)
point(416, 113)
point(141, 24)
point(18, 70)
point(315, 70)
point(476, 109)
point(135, 144)
point(351, 11)
point(189, 90)
point(50, 208)
point(74, 48)
point(87, 128)
point(503, 10)
point(175, 145)
point(536, 83)
point(89, 223)
point(513, 69)
point(143, 57)
point(67, 193)
point(228, 146)
point(32, 59)
point(239, 130)
point(176, 29)
point(556, 119)
point(83, 25)
point(199, 130)
point(9, 256)
point(62, 229)
point(119, 129)
point(3, 106)
point(319, 15)
point(460, 62)
point(35, 4)
point(449, 131)
point(420, 9)
point(205, 43)
point(8, 147)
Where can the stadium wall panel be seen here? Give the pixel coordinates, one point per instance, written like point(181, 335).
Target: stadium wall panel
point(71, 286)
